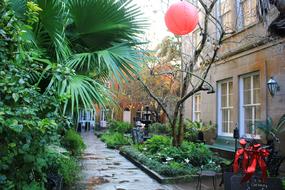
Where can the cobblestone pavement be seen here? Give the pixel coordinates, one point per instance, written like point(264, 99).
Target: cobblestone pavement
point(106, 169)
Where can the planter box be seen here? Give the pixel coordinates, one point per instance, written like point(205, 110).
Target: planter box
point(233, 182)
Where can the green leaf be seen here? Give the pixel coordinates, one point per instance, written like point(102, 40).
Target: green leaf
point(29, 158)
point(105, 22)
point(53, 19)
point(85, 92)
point(12, 145)
point(15, 96)
point(19, 6)
point(13, 124)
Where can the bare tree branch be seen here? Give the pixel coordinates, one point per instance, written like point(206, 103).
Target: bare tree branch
point(154, 97)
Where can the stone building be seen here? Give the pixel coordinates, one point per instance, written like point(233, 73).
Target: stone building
point(248, 58)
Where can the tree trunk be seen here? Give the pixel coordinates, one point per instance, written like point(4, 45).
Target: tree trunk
point(181, 126)
point(174, 135)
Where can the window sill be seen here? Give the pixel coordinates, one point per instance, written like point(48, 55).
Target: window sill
point(237, 32)
point(224, 143)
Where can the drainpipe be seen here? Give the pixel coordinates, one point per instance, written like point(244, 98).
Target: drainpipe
point(266, 94)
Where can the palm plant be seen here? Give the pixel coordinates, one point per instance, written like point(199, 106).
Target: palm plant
point(83, 43)
point(271, 130)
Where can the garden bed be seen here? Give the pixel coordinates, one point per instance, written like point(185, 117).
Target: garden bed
point(159, 159)
point(153, 174)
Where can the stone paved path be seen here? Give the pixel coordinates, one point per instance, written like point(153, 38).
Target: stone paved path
point(106, 169)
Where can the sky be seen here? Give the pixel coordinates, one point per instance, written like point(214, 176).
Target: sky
point(154, 11)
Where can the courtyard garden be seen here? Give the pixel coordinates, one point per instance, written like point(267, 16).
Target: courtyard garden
point(157, 152)
point(180, 94)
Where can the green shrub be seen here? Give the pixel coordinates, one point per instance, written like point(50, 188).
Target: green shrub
point(119, 126)
point(114, 140)
point(157, 143)
point(158, 128)
point(73, 142)
point(168, 170)
point(192, 128)
point(69, 169)
point(189, 154)
point(61, 163)
point(197, 153)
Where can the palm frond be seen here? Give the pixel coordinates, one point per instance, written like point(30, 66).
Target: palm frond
point(54, 20)
point(121, 60)
point(85, 92)
point(262, 125)
point(280, 127)
point(105, 22)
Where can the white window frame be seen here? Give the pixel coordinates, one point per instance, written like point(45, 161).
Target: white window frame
point(219, 111)
point(222, 14)
point(241, 104)
point(242, 12)
point(194, 112)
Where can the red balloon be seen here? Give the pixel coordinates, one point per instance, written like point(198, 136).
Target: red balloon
point(181, 18)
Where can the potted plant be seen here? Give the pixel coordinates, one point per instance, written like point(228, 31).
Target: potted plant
point(270, 134)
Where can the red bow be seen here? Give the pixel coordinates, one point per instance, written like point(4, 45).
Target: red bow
point(256, 156)
point(241, 152)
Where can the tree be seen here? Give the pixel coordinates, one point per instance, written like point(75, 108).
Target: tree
point(212, 46)
point(55, 56)
point(165, 57)
point(87, 42)
point(203, 57)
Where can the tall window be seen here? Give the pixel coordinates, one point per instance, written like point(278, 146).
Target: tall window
point(225, 108)
point(197, 107)
point(248, 11)
point(250, 103)
point(226, 14)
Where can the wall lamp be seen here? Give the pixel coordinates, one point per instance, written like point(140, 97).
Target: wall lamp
point(272, 86)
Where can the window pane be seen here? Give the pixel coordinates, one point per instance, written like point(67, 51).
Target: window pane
point(256, 96)
point(248, 124)
point(248, 119)
point(248, 113)
point(226, 112)
point(230, 100)
point(225, 127)
point(224, 101)
point(246, 83)
point(231, 87)
point(225, 118)
point(249, 11)
point(224, 88)
point(197, 105)
point(224, 94)
point(197, 116)
point(247, 97)
point(256, 82)
point(225, 115)
point(257, 115)
point(231, 121)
